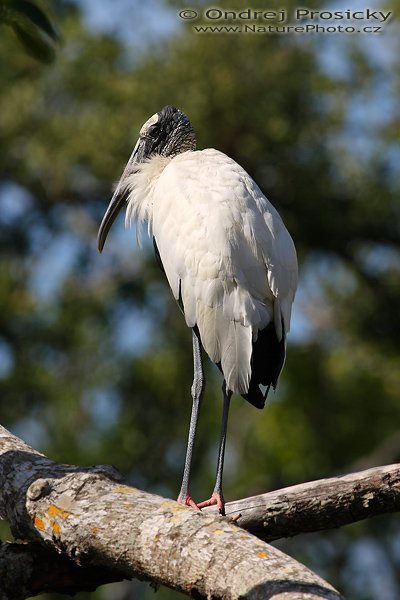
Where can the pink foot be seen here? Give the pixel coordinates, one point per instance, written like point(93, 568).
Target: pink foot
point(216, 498)
point(188, 501)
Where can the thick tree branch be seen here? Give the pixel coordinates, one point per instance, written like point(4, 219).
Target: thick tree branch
point(30, 569)
point(321, 504)
point(90, 517)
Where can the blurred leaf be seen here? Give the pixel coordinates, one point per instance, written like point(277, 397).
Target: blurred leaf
point(29, 11)
point(35, 44)
point(32, 26)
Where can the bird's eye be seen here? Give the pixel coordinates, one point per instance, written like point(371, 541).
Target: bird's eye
point(154, 129)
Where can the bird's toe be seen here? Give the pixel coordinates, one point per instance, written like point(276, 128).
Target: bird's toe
point(216, 499)
point(187, 501)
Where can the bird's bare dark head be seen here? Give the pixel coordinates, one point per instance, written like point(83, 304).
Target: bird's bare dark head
point(168, 132)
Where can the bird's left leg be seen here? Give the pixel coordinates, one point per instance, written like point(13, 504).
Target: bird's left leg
point(217, 496)
point(197, 395)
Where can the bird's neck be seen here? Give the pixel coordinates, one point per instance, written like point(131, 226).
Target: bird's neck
point(140, 187)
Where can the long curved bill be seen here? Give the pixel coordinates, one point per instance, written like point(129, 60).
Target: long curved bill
point(118, 199)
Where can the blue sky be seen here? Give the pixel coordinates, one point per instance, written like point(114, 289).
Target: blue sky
point(135, 22)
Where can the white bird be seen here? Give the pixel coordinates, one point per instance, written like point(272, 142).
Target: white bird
point(229, 260)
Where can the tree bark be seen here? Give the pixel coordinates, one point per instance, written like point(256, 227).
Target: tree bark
point(91, 518)
point(30, 569)
point(316, 505)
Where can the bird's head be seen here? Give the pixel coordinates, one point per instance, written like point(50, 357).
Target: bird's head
point(167, 133)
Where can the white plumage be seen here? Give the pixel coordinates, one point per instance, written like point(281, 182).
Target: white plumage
point(228, 258)
point(224, 249)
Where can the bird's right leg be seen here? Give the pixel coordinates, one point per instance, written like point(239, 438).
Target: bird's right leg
point(197, 395)
point(217, 496)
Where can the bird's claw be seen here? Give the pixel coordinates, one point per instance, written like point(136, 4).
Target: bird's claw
point(187, 501)
point(216, 498)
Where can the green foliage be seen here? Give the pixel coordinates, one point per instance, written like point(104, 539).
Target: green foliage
point(32, 26)
point(95, 359)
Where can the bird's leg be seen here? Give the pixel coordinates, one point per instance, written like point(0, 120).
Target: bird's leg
point(217, 496)
point(197, 395)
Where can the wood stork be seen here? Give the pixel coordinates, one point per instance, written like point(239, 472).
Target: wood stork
point(228, 258)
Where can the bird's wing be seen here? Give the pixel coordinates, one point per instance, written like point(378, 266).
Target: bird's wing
point(279, 255)
point(226, 252)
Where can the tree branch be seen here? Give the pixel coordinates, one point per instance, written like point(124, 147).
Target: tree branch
point(30, 569)
point(91, 518)
point(317, 505)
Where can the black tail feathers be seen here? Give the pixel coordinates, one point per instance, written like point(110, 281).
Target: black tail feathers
point(267, 361)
